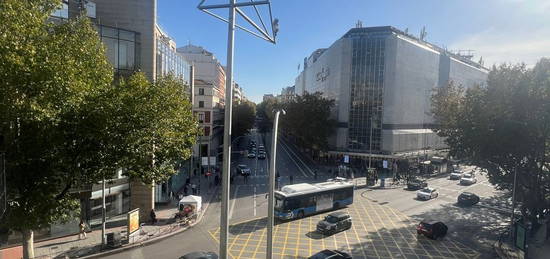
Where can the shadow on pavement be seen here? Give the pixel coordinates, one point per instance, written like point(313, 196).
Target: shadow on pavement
point(248, 226)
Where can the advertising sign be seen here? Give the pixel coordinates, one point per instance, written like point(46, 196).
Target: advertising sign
point(385, 164)
point(133, 221)
point(346, 159)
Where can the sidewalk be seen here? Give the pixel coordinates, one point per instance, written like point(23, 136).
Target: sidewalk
point(72, 246)
point(538, 246)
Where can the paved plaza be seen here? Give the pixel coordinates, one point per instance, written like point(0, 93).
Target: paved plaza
point(378, 231)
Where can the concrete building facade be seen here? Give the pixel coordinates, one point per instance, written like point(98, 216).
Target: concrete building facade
point(208, 104)
point(381, 80)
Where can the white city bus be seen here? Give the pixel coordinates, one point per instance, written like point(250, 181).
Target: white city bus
point(299, 200)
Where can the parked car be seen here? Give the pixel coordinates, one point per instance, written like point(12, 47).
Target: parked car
point(200, 255)
point(467, 199)
point(456, 174)
point(331, 254)
point(427, 193)
point(243, 170)
point(261, 155)
point(431, 230)
point(334, 222)
point(416, 184)
point(468, 179)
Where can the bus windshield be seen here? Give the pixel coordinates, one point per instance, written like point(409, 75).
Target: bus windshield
point(278, 203)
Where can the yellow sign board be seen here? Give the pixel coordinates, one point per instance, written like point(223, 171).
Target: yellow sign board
point(133, 221)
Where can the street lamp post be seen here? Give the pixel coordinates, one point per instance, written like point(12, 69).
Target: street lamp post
point(513, 201)
point(262, 32)
point(270, 212)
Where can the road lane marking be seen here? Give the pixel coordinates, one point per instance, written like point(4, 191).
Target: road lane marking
point(299, 159)
point(233, 202)
point(298, 166)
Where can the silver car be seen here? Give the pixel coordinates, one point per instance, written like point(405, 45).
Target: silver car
point(426, 194)
point(468, 179)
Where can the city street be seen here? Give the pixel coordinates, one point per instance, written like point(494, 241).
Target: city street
point(383, 219)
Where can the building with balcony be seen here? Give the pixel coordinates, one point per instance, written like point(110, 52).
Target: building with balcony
point(208, 104)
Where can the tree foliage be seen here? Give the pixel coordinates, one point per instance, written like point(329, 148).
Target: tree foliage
point(503, 126)
point(244, 114)
point(308, 118)
point(67, 125)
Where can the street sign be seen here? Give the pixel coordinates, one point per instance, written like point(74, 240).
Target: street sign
point(385, 164)
point(204, 160)
point(346, 159)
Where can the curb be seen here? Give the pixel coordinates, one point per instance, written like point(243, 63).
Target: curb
point(153, 240)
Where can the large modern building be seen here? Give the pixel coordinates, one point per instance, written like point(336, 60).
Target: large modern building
point(381, 80)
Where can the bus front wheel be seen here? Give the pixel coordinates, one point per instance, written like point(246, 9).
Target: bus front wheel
point(301, 214)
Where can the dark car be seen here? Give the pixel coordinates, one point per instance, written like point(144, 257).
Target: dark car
point(432, 230)
point(243, 170)
point(332, 254)
point(261, 155)
point(416, 184)
point(467, 199)
point(334, 222)
point(200, 255)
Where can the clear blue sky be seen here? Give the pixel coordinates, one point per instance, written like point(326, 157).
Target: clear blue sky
point(499, 30)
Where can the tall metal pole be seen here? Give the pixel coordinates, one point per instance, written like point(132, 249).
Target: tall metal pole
point(224, 219)
point(513, 201)
point(271, 201)
point(370, 149)
point(103, 212)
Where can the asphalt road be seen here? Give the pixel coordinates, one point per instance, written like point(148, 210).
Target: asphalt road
point(248, 200)
point(476, 227)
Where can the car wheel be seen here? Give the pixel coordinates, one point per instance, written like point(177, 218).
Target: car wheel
point(301, 214)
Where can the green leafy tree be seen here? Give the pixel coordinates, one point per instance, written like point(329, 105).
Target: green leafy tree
point(503, 126)
point(244, 114)
point(265, 112)
point(67, 127)
point(308, 118)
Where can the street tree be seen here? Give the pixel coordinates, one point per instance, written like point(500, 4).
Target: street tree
point(244, 114)
point(308, 119)
point(66, 126)
point(503, 126)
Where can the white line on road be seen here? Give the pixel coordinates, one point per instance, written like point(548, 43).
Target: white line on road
point(295, 155)
point(233, 202)
point(298, 166)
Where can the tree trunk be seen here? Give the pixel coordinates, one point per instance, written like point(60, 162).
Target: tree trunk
point(28, 244)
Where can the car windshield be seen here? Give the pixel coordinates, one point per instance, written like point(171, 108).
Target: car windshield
point(467, 176)
point(331, 219)
point(242, 166)
point(426, 190)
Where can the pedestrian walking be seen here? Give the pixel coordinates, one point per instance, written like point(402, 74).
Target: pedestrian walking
point(291, 179)
point(82, 232)
point(153, 216)
point(217, 180)
point(194, 189)
point(245, 178)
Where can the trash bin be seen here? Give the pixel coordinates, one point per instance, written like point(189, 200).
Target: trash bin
point(113, 239)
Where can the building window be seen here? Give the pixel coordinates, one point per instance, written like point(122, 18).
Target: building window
point(201, 117)
point(207, 131)
point(201, 104)
point(201, 91)
point(207, 117)
point(122, 48)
